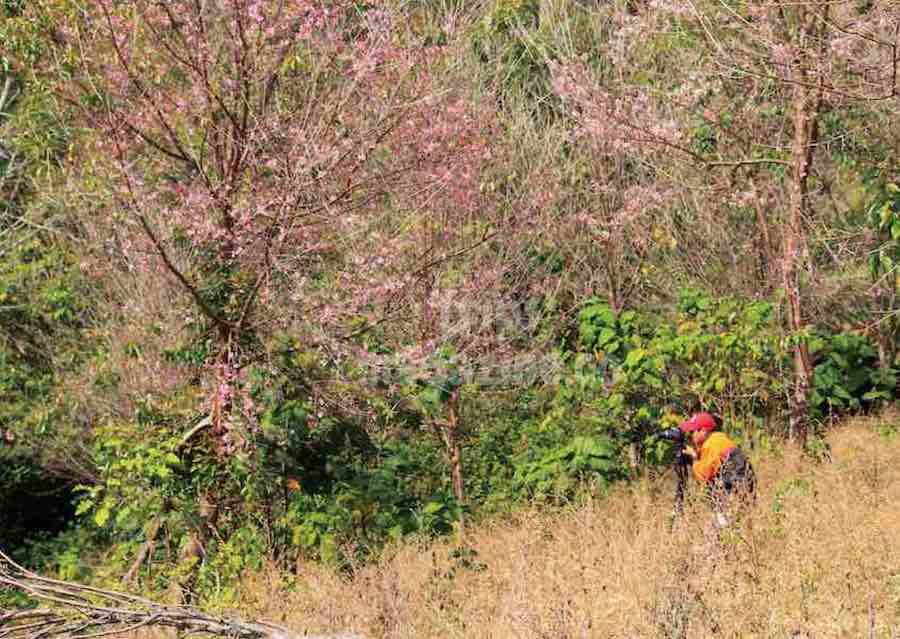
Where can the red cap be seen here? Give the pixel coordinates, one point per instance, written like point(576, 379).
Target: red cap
point(700, 421)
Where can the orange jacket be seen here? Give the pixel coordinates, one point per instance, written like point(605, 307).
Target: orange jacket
point(712, 453)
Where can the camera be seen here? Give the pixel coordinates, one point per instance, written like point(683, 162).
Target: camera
point(677, 438)
point(674, 435)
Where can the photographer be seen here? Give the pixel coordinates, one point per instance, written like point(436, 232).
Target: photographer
point(718, 463)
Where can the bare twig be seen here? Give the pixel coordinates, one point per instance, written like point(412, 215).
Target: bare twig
point(146, 549)
point(220, 321)
point(8, 95)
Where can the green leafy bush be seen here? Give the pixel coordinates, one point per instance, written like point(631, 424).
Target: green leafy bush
point(41, 315)
point(720, 354)
point(557, 471)
point(847, 374)
point(636, 372)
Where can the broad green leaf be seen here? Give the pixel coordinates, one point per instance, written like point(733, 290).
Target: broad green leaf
point(653, 381)
point(102, 514)
point(840, 391)
point(433, 507)
point(305, 536)
point(83, 506)
point(606, 336)
point(634, 357)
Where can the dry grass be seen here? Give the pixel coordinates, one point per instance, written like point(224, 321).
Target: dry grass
point(820, 558)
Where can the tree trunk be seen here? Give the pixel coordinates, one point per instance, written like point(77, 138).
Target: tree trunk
point(454, 450)
point(456, 471)
point(806, 105)
point(884, 358)
point(767, 271)
point(224, 441)
point(885, 329)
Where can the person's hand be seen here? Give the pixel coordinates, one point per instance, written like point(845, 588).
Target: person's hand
point(690, 452)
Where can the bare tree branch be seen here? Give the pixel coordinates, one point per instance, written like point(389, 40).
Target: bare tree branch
point(77, 611)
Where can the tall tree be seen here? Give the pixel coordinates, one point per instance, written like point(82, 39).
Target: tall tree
point(758, 77)
point(247, 146)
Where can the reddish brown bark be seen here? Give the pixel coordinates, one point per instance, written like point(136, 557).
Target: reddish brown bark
point(806, 106)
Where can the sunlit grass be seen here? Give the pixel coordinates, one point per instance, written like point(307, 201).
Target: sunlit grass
point(820, 557)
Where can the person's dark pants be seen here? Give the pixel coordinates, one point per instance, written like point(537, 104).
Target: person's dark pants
point(734, 486)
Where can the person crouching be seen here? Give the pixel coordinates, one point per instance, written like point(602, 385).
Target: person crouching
point(720, 465)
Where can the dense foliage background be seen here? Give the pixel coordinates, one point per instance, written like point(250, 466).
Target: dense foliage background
point(285, 278)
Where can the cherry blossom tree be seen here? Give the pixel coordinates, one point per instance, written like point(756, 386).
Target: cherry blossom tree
point(754, 83)
point(254, 151)
point(316, 169)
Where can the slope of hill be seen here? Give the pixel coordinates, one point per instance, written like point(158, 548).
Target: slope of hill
point(300, 281)
point(820, 558)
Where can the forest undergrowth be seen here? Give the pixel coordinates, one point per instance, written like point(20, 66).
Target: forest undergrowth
point(817, 558)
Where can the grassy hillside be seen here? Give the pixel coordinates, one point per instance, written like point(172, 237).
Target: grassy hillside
point(292, 284)
point(819, 559)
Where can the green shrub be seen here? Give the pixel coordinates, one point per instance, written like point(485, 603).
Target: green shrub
point(507, 43)
point(633, 373)
point(847, 374)
point(557, 472)
point(719, 354)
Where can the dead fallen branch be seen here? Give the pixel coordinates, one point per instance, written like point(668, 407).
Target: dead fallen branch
point(77, 611)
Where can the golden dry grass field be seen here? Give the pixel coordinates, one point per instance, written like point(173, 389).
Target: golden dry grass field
point(819, 558)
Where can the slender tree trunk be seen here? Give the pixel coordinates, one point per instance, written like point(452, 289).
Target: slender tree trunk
point(456, 471)
point(768, 254)
point(454, 450)
point(884, 358)
point(807, 99)
point(885, 330)
point(222, 399)
point(793, 240)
